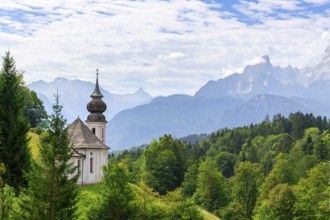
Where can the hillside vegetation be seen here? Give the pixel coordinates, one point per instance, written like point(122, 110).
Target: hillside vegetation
point(277, 169)
point(88, 195)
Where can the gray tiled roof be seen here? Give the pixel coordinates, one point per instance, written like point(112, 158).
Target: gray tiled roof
point(83, 138)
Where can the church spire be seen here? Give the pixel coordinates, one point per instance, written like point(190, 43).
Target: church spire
point(96, 106)
point(97, 93)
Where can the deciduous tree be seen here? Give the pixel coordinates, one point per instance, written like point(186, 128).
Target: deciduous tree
point(246, 183)
point(212, 192)
point(34, 109)
point(116, 197)
point(313, 194)
point(164, 164)
point(282, 200)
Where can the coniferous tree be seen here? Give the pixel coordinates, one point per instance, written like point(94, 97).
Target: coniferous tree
point(51, 193)
point(14, 151)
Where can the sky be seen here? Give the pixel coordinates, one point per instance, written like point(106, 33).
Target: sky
point(166, 47)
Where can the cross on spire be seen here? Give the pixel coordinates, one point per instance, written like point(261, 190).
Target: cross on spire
point(97, 93)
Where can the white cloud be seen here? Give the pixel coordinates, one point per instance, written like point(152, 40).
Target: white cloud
point(153, 42)
point(325, 35)
point(171, 56)
point(262, 8)
point(317, 2)
point(256, 60)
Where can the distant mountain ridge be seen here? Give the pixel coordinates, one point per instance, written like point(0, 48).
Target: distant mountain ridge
point(261, 78)
point(264, 78)
point(236, 100)
point(239, 99)
point(179, 115)
point(75, 94)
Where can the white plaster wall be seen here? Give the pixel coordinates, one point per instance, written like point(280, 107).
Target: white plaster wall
point(100, 159)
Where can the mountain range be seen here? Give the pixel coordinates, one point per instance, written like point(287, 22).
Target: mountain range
point(75, 94)
point(240, 99)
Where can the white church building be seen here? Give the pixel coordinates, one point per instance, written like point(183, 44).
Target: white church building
point(88, 140)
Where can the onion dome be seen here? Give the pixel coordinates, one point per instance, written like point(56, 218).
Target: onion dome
point(96, 106)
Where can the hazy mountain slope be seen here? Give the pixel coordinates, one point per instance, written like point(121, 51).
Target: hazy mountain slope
point(267, 90)
point(179, 115)
point(257, 108)
point(75, 94)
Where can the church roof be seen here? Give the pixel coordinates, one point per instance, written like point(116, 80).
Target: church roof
point(77, 154)
point(83, 138)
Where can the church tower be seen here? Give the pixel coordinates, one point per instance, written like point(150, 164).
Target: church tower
point(96, 120)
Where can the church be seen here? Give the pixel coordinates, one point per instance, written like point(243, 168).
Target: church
point(89, 140)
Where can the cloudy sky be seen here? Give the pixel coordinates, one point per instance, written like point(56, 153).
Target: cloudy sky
point(165, 47)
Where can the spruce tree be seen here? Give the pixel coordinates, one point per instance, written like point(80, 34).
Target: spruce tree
point(52, 189)
point(14, 151)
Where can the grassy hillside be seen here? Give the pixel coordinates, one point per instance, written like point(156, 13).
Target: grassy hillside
point(208, 216)
point(33, 144)
point(88, 196)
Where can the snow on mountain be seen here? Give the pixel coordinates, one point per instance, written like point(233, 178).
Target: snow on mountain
point(322, 70)
point(259, 78)
point(267, 89)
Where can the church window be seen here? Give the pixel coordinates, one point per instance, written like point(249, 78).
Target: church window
point(103, 134)
point(93, 130)
point(91, 165)
point(78, 165)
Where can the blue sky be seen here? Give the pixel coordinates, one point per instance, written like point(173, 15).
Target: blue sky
point(166, 47)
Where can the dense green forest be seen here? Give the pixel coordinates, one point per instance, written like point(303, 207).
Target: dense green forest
point(278, 169)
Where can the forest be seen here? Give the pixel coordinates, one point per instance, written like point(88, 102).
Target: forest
point(278, 169)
